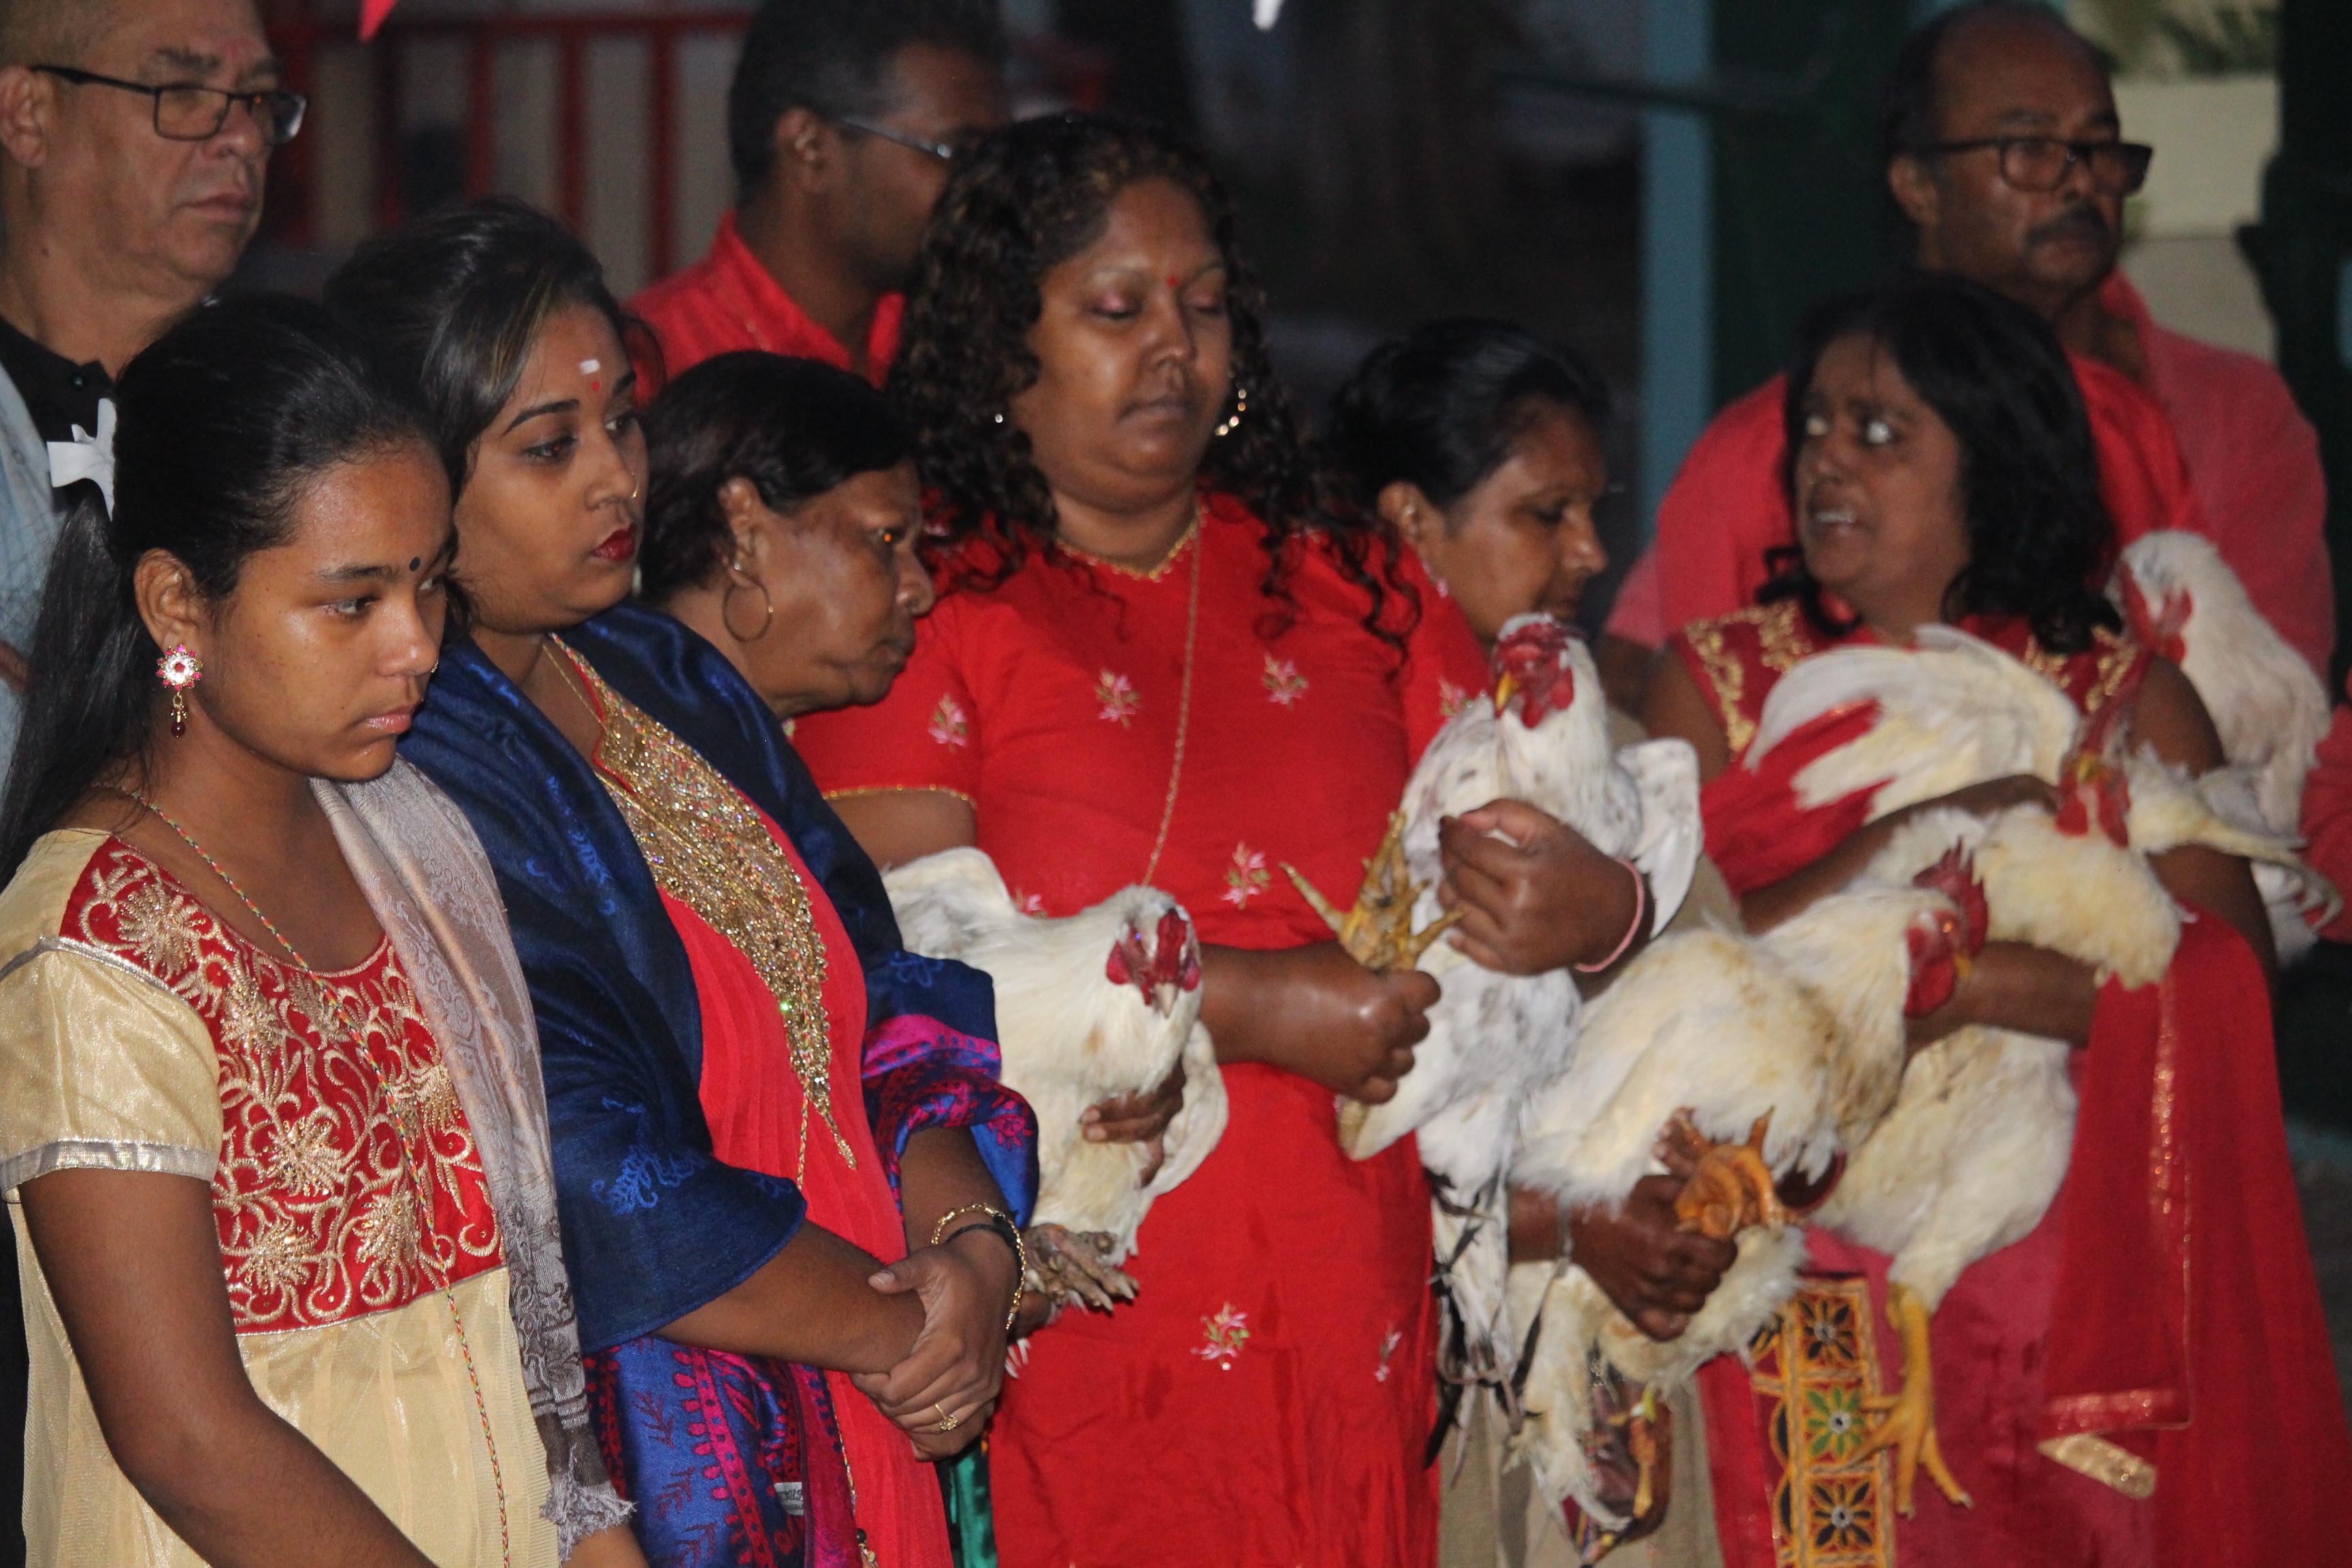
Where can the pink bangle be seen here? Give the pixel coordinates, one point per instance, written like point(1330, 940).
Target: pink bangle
point(1641, 909)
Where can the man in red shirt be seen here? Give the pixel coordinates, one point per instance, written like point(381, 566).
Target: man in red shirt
point(2003, 152)
point(841, 121)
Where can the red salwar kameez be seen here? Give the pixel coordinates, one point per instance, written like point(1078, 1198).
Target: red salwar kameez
point(2146, 1378)
point(1267, 1397)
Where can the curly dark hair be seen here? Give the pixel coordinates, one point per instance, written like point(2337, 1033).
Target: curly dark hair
point(1026, 198)
point(2039, 531)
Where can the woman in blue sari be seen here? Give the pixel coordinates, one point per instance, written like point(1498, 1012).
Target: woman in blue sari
point(789, 1181)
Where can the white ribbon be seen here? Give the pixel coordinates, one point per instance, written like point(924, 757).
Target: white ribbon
point(88, 456)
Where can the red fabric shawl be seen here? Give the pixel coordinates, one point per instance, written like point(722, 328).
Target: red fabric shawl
point(2164, 1313)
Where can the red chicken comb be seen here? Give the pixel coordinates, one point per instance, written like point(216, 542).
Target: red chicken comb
point(1955, 877)
point(2158, 629)
point(1174, 960)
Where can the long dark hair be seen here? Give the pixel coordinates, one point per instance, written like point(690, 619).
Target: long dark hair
point(454, 302)
point(1440, 407)
point(1026, 198)
point(793, 427)
point(221, 425)
point(2039, 531)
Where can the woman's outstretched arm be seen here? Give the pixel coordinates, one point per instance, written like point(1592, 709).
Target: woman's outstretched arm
point(133, 1263)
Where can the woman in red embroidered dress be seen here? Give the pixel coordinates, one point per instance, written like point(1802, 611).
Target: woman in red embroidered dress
point(1150, 661)
point(269, 1096)
point(1943, 471)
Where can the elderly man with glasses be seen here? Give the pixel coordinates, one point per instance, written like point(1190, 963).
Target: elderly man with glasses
point(2006, 156)
point(137, 135)
point(843, 121)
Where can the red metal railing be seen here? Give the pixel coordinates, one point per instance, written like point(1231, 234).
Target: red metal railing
point(660, 32)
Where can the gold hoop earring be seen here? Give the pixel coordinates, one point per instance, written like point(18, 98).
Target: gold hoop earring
point(745, 580)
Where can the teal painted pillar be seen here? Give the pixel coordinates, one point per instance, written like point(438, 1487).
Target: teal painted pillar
point(1677, 251)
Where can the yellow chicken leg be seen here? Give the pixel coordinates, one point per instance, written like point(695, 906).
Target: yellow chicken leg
point(1908, 1419)
point(1732, 1189)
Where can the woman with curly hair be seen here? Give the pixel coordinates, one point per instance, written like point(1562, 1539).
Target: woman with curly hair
point(1155, 659)
point(1942, 471)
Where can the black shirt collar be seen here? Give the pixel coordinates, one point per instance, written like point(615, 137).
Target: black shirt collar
point(57, 393)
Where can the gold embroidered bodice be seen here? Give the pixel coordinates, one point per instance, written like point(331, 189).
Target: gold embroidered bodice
point(710, 849)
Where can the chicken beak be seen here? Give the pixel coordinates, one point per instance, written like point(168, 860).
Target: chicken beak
point(1505, 689)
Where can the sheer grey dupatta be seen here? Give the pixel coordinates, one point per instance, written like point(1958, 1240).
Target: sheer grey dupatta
point(423, 872)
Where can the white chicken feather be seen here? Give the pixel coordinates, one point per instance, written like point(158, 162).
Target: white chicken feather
point(1797, 1033)
point(1494, 1038)
point(1089, 1007)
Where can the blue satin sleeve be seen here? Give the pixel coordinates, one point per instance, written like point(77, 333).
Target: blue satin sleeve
point(654, 1224)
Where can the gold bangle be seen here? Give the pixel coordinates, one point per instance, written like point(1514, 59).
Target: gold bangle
point(1002, 1224)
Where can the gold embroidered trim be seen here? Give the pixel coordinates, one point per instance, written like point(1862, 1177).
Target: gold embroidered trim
point(1782, 647)
point(899, 789)
point(2103, 1462)
point(708, 848)
point(1167, 562)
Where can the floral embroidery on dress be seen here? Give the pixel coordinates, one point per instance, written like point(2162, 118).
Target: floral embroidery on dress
point(1246, 877)
point(1284, 684)
point(949, 727)
point(1388, 1349)
point(1451, 699)
point(348, 1182)
point(1117, 696)
point(1225, 1333)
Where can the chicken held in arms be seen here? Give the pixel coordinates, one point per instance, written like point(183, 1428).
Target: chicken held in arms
point(1763, 1058)
point(1494, 1038)
point(1976, 1147)
point(1089, 1007)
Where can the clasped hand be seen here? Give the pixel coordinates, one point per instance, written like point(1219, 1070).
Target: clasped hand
point(957, 1362)
point(1538, 898)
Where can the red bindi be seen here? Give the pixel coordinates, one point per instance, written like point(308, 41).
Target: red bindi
point(1174, 281)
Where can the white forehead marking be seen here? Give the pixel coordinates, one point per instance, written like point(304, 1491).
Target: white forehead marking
point(591, 366)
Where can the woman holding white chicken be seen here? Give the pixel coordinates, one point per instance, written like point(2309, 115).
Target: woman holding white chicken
point(2154, 1347)
point(1156, 659)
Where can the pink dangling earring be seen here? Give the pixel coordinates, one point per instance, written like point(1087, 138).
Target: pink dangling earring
point(180, 669)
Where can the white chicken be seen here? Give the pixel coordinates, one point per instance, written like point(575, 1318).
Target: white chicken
point(1098, 1004)
point(1974, 1150)
point(1493, 1037)
point(1782, 1050)
point(2267, 705)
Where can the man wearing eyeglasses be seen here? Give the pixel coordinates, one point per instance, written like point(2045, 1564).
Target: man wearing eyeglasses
point(137, 133)
point(843, 121)
point(2005, 153)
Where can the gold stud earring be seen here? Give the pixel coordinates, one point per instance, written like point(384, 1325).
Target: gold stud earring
point(180, 669)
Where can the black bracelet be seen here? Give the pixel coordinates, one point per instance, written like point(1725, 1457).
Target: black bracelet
point(1001, 1225)
point(996, 1225)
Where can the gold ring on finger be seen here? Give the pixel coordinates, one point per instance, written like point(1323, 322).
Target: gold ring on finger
point(947, 1423)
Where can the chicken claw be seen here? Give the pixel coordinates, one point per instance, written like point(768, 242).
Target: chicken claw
point(1378, 931)
point(1074, 1266)
point(1731, 1188)
point(1908, 1419)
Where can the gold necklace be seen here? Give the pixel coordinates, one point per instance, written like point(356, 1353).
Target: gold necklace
point(230, 882)
point(1184, 693)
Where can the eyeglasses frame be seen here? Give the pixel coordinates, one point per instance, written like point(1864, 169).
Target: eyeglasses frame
point(2077, 153)
point(945, 152)
point(253, 103)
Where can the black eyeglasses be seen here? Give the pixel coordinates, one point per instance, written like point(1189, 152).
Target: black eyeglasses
point(945, 152)
point(2040, 163)
point(186, 112)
